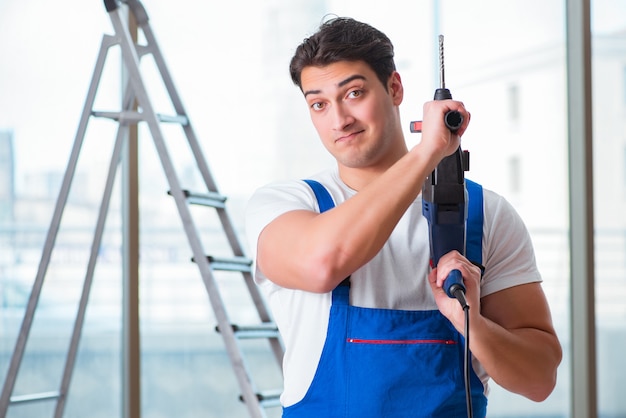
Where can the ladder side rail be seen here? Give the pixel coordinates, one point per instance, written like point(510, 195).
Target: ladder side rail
point(191, 136)
point(132, 64)
point(225, 219)
point(177, 102)
point(265, 316)
point(224, 325)
point(254, 291)
point(232, 236)
point(20, 345)
point(227, 224)
point(152, 47)
point(257, 298)
point(91, 265)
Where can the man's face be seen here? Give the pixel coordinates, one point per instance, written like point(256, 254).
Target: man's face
point(354, 115)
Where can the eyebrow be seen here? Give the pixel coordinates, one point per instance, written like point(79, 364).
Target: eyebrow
point(340, 84)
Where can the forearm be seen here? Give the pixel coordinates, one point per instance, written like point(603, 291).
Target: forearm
point(511, 331)
point(363, 223)
point(315, 252)
point(522, 360)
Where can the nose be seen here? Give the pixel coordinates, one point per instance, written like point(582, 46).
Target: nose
point(343, 119)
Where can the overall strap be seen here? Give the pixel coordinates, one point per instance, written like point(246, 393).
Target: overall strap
point(474, 229)
point(324, 200)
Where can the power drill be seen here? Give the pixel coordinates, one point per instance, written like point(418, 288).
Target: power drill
point(444, 197)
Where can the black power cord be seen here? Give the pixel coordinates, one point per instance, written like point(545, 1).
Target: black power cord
point(458, 291)
point(444, 194)
point(467, 366)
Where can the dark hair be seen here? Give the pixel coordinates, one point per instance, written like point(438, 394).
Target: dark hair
point(344, 39)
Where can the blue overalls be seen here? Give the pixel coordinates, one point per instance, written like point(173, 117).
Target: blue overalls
point(390, 363)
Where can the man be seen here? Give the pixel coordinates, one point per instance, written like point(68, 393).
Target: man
point(387, 342)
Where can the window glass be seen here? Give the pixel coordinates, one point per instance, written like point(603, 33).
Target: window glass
point(498, 68)
point(229, 63)
point(608, 60)
point(48, 53)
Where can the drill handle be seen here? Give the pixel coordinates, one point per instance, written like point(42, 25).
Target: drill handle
point(452, 119)
point(454, 283)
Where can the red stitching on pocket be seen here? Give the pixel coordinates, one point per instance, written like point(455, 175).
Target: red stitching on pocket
point(365, 341)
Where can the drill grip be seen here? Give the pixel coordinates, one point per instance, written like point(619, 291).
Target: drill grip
point(452, 119)
point(453, 283)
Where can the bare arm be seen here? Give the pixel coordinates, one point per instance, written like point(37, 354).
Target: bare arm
point(516, 341)
point(315, 252)
point(511, 332)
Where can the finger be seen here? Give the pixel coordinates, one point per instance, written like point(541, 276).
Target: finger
point(455, 261)
point(434, 285)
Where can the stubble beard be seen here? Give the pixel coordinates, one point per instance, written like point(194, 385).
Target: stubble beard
point(365, 156)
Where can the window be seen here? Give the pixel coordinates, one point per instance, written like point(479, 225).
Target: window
point(7, 189)
point(609, 49)
point(515, 174)
point(248, 125)
point(624, 85)
point(513, 93)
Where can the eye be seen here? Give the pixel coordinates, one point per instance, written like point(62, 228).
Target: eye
point(317, 106)
point(353, 94)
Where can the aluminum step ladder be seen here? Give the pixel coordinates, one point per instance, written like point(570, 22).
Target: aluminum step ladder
point(135, 92)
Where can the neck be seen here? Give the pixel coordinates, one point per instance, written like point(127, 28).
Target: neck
point(359, 177)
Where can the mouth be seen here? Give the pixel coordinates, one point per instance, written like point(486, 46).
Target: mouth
point(348, 136)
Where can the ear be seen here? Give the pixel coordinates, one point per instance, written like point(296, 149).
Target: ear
point(395, 88)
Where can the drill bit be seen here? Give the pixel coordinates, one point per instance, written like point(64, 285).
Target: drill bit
point(452, 119)
point(442, 78)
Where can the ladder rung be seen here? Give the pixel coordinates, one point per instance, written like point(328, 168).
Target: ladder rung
point(183, 120)
point(264, 330)
point(34, 397)
point(212, 199)
point(241, 264)
point(132, 116)
point(267, 399)
point(126, 116)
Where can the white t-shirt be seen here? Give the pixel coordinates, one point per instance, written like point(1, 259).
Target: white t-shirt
point(396, 278)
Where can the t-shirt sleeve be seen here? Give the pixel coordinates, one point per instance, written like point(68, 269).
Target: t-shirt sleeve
point(267, 204)
point(508, 254)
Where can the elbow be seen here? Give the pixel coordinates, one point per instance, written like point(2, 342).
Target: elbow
point(546, 382)
point(315, 274)
point(322, 278)
point(323, 273)
point(541, 391)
